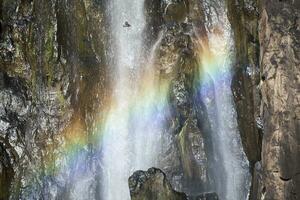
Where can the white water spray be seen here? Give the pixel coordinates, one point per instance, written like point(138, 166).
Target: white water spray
point(131, 135)
point(223, 115)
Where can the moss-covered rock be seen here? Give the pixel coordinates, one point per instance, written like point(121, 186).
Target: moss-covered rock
point(243, 16)
point(177, 63)
point(52, 73)
point(193, 158)
point(152, 184)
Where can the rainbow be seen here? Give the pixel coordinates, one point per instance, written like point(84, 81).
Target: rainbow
point(149, 99)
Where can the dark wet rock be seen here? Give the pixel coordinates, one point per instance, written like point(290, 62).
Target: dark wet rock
point(246, 78)
point(206, 196)
point(176, 64)
point(246, 74)
point(193, 158)
point(50, 53)
point(185, 159)
point(154, 10)
point(6, 173)
point(176, 11)
point(256, 181)
point(152, 184)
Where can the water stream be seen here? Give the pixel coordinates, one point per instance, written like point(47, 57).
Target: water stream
point(131, 135)
point(218, 98)
point(132, 132)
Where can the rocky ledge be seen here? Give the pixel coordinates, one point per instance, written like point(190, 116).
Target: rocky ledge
point(153, 184)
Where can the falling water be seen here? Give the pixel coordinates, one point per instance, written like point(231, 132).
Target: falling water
point(126, 48)
point(131, 135)
point(132, 132)
point(222, 112)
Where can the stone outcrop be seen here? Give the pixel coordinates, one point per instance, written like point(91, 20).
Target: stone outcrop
point(266, 89)
point(207, 196)
point(6, 173)
point(50, 53)
point(176, 11)
point(179, 67)
point(153, 184)
point(193, 157)
point(187, 163)
point(280, 108)
point(243, 16)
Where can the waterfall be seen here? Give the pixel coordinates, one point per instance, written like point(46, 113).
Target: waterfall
point(131, 133)
point(117, 143)
point(218, 98)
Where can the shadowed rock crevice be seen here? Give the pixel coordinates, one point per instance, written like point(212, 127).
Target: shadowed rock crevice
point(6, 173)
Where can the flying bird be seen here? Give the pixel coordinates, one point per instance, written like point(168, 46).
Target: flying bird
point(126, 24)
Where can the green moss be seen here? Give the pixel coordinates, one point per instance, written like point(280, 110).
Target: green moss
point(61, 98)
point(184, 150)
point(49, 54)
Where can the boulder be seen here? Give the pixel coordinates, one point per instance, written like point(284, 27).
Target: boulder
point(152, 184)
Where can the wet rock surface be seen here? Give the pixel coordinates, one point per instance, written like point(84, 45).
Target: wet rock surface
point(6, 173)
point(188, 156)
point(47, 60)
point(185, 159)
point(193, 157)
point(244, 17)
point(205, 196)
point(264, 86)
point(153, 184)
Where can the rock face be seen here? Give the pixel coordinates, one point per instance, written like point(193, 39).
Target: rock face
point(53, 78)
point(152, 184)
point(193, 156)
point(48, 57)
point(280, 61)
point(6, 173)
point(244, 19)
point(266, 88)
point(243, 16)
point(188, 157)
point(207, 196)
